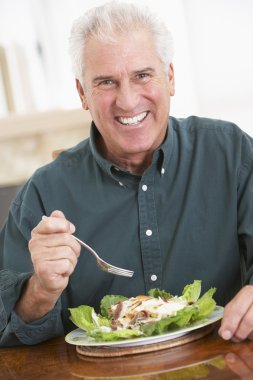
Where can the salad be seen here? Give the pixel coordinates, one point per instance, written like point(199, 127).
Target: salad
point(156, 313)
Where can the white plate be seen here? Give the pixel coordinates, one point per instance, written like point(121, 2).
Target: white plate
point(79, 337)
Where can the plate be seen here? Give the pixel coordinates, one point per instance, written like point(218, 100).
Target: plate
point(79, 337)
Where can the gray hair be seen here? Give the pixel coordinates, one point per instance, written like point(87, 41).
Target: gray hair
point(111, 19)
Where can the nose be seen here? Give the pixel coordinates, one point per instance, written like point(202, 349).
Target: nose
point(127, 97)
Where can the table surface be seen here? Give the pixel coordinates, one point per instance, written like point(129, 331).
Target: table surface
point(207, 358)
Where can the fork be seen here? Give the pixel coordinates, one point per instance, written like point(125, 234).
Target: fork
point(103, 264)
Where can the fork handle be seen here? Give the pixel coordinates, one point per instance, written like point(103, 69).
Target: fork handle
point(86, 246)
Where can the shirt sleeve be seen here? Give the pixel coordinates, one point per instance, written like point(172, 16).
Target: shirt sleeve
point(13, 331)
point(245, 210)
point(15, 269)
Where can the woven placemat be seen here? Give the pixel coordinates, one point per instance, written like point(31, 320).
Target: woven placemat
point(111, 351)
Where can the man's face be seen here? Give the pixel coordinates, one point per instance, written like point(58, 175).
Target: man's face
point(128, 94)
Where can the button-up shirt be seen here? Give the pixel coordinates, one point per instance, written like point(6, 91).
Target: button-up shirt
point(189, 216)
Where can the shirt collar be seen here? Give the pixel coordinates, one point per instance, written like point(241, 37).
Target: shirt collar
point(167, 147)
point(163, 153)
point(106, 165)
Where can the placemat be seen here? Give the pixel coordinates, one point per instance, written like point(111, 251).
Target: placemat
point(110, 351)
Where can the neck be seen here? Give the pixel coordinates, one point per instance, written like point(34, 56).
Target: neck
point(136, 164)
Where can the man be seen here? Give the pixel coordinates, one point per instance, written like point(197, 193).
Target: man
point(168, 198)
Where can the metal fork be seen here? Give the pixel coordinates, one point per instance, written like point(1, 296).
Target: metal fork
point(103, 264)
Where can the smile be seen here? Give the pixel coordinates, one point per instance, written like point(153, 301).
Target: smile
point(132, 120)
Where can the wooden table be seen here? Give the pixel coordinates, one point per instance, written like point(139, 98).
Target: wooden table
point(207, 358)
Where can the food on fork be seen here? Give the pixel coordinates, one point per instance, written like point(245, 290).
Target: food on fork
point(144, 315)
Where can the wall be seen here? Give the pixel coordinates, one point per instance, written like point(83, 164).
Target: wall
point(27, 142)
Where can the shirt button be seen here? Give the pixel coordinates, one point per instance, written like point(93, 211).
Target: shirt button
point(162, 171)
point(121, 184)
point(148, 232)
point(144, 187)
point(153, 277)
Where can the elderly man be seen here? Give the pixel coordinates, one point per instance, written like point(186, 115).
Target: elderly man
point(169, 198)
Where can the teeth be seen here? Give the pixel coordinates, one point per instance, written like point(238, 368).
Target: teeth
point(132, 120)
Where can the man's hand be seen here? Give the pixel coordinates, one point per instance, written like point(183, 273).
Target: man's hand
point(54, 254)
point(237, 322)
point(241, 363)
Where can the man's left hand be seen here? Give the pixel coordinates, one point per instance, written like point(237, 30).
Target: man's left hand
point(237, 322)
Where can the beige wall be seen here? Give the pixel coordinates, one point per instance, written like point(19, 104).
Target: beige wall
point(27, 142)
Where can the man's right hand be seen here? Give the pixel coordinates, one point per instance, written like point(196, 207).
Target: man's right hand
point(54, 254)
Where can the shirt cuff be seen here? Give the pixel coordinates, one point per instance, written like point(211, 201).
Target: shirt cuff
point(13, 330)
point(47, 327)
point(11, 284)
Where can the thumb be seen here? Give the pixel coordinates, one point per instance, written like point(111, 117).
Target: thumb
point(57, 214)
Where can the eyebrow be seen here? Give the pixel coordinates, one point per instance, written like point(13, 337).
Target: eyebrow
point(146, 69)
point(109, 77)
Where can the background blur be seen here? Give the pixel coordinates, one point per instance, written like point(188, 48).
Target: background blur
point(39, 106)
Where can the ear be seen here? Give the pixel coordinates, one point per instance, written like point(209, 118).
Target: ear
point(82, 95)
point(171, 77)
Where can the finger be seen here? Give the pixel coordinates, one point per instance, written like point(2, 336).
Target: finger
point(42, 242)
point(52, 281)
point(52, 224)
point(54, 254)
point(245, 327)
point(49, 269)
point(57, 214)
point(245, 353)
point(235, 311)
point(53, 274)
point(238, 366)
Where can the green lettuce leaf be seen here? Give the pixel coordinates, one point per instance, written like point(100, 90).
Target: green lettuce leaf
point(107, 302)
point(192, 292)
point(156, 293)
point(206, 304)
point(107, 336)
point(87, 319)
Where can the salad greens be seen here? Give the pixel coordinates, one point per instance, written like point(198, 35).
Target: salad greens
point(100, 326)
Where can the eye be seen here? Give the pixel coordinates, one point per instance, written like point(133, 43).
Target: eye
point(106, 83)
point(143, 77)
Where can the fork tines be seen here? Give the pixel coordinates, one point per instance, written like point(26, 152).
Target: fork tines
point(120, 272)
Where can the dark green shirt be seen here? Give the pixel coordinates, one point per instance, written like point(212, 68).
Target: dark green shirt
point(189, 216)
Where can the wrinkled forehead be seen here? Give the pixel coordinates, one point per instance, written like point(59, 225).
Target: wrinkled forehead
point(138, 46)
